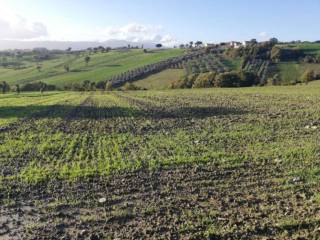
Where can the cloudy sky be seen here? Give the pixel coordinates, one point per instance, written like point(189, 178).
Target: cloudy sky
point(167, 21)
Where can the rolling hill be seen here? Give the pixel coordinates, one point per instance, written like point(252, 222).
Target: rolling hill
point(101, 66)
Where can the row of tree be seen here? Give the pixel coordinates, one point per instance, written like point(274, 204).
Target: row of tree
point(191, 44)
point(142, 72)
point(29, 87)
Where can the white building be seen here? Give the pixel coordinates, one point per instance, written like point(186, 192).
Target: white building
point(210, 45)
point(234, 44)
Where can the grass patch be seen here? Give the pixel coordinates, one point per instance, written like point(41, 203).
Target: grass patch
point(162, 80)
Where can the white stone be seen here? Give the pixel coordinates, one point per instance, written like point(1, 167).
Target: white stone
point(102, 200)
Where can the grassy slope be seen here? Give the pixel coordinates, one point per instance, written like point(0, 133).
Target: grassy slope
point(160, 80)
point(101, 67)
point(233, 64)
point(291, 71)
point(308, 48)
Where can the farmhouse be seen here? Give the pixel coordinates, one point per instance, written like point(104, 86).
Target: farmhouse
point(210, 45)
point(234, 44)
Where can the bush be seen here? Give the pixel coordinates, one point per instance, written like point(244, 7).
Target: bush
point(311, 59)
point(131, 87)
point(228, 79)
point(74, 87)
point(308, 76)
point(275, 80)
point(109, 86)
point(248, 79)
point(5, 87)
point(101, 85)
point(185, 82)
point(204, 80)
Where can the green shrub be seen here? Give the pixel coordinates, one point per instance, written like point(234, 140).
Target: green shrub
point(131, 87)
point(5, 87)
point(101, 85)
point(308, 76)
point(275, 80)
point(227, 79)
point(248, 78)
point(109, 86)
point(205, 80)
point(185, 81)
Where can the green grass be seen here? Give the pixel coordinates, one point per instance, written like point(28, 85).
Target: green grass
point(292, 71)
point(233, 64)
point(161, 80)
point(101, 67)
point(308, 48)
point(16, 106)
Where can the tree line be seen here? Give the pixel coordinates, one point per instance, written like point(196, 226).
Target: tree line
point(29, 87)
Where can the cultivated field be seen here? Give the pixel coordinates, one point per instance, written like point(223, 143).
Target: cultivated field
point(179, 164)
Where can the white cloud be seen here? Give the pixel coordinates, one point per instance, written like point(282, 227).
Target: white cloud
point(17, 27)
point(168, 39)
point(264, 36)
point(136, 32)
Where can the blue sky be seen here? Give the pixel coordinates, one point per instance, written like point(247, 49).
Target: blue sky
point(171, 21)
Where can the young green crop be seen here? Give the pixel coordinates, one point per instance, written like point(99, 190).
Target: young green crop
point(213, 163)
point(87, 134)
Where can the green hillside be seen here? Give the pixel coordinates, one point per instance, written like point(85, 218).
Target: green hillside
point(292, 71)
point(101, 66)
point(161, 80)
point(307, 48)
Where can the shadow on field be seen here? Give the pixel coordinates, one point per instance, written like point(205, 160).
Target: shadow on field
point(79, 70)
point(92, 112)
point(312, 51)
point(112, 65)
